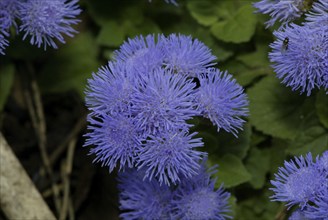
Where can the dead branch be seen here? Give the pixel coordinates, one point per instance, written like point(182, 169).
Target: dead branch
point(19, 198)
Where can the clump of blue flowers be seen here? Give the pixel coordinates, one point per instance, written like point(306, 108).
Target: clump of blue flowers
point(142, 102)
point(303, 182)
point(44, 22)
point(193, 198)
point(300, 52)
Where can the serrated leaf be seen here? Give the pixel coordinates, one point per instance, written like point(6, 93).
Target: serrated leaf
point(204, 12)
point(70, 67)
point(238, 28)
point(258, 165)
point(6, 80)
point(232, 172)
point(276, 110)
point(322, 107)
point(111, 34)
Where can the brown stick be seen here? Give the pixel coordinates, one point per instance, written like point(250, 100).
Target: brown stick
point(19, 199)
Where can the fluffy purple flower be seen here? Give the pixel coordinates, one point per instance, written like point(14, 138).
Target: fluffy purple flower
point(163, 101)
point(110, 89)
point(8, 14)
point(46, 21)
point(115, 140)
point(298, 182)
point(319, 13)
point(300, 57)
point(222, 100)
point(186, 56)
point(319, 208)
point(282, 10)
point(142, 199)
point(170, 155)
point(142, 54)
point(196, 198)
point(297, 215)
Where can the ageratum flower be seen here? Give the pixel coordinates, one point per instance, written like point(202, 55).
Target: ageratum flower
point(163, 101)
point(8, 14)
point(300, 57)
point(174, 2)
point(297, 215)
point(222, 100)
point(45, 21)
point(319, 207)
point(186, 56)
point(142, 54)
point(196, 198)
point(282, 10)
point(170, 155)
point(319, 13)
point(115, 140)
point(298, 182)
point(110, 89)
point(142, 199)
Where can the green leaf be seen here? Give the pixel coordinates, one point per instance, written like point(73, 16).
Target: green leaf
point(322, 107)
point(276, 110)
point(229, 144)
point(232, 172)
point(313, 138)
point(7, 72)
point(237, 29)
point(258, 165)
point(205, 11)
point(71, 66)
point(111, 34)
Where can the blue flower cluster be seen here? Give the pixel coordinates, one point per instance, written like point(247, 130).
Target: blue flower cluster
point(193, 198)
point(42, 21)
point(304, 182)
point(142, 101)
point(300, 52)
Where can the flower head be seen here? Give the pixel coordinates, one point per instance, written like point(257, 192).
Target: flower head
point(298, 182)
point(141, 53)
point(110, 89)
point(319, 208)
point(281, 10)
point(45, 21)
point(142, 199)
point(8, 14)
point(186, 56)
point(170, 155)
point(297, 215)
point(115, 139)
point(319, 13)
point(196, 198)
point(163, 101)
point(222, 100)
point(300, 57)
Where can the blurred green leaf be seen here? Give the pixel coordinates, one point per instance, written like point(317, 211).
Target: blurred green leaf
point(229, 144)
point(322, 107)
point(205, 11)
point(7, 72)
point(276, 110)
point(258, 165)
point(312, 138)
point(232, 172)
point(237, 29)
point(111, 34)
point(70, 66)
